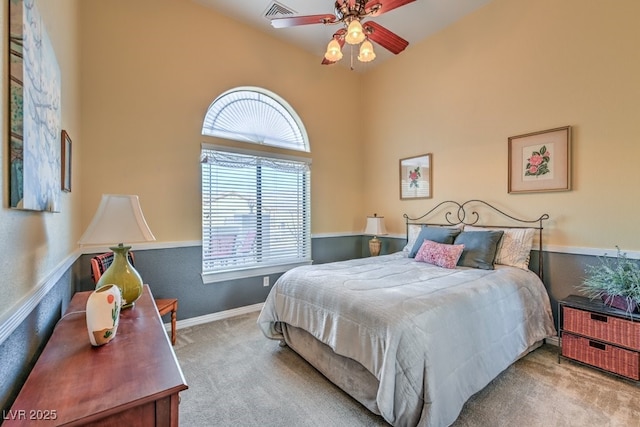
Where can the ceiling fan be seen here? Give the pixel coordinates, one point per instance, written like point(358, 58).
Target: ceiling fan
point(350, 13)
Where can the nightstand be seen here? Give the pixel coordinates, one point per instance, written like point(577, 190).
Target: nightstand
point(599, 336)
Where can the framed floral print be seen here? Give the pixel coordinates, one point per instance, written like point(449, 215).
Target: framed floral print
point(415, 177)
point(540, 161)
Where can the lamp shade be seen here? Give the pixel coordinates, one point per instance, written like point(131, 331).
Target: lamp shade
point(334, 52)
point(366, 52)
point(355, 33)
point(375, 226)
point(118, 219)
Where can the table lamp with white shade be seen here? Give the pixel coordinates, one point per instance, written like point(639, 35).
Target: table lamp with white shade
point(375, 227)
point(119, 219)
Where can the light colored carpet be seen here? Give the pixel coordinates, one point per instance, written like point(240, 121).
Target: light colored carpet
point(237, 377)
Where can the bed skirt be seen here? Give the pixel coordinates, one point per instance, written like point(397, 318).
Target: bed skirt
point(342, 371)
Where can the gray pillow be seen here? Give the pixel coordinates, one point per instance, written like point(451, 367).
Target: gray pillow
point(479, 248)
point(435, 234)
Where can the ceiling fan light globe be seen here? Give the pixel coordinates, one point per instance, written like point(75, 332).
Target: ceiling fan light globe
point(355, 33)
point(366, 52)
point(334, 52)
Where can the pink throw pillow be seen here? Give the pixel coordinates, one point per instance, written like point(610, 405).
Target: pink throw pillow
point(439, 254)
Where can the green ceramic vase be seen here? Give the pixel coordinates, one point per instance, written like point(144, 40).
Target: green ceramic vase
point(122, 274)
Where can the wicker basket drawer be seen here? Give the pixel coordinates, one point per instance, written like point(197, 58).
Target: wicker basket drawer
point(610, 358)
point(611, 329)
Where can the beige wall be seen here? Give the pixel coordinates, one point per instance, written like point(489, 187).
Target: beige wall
point(34, 244)
point(510, 68)
point(150, 70)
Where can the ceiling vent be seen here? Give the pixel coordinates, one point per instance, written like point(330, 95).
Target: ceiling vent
point(276, 9)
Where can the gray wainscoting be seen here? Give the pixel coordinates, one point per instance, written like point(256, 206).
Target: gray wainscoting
point(175, 273)
point(19, 352)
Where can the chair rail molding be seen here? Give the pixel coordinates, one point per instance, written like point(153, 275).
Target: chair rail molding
point(23, 308)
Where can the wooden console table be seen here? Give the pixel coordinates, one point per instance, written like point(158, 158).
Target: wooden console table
point(134, 380)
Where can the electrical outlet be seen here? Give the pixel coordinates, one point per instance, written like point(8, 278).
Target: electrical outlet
point(265, 281)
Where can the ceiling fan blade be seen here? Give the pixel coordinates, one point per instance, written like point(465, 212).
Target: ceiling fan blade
point(339, 37)
point(303, 20)
point(385, 38)
point(325, 61)
point(385, 5)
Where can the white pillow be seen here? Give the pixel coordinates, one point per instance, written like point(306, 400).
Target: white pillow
point(514, 247)
point(414, 230)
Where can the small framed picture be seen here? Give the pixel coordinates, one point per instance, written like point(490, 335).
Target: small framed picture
point(540, 161)
point(415, 177)
point(66, 161)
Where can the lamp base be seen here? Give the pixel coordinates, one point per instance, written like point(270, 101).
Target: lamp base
point(122, 274)
point(374, 246)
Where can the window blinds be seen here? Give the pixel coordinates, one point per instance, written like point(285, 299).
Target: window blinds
point(251, 115)
point(255, 211)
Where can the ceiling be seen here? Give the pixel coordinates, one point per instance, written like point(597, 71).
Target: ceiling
point(413, 22)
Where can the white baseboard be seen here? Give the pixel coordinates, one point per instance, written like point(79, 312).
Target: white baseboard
point(193, 321)
point(553, 341)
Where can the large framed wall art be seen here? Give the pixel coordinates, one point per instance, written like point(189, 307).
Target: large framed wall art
point(540, 161)
point(415, 177)
point(34, 121)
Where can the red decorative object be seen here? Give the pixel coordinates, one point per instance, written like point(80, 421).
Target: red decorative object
point(619, 302)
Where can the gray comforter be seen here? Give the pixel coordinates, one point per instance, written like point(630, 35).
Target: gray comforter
point(431, 336)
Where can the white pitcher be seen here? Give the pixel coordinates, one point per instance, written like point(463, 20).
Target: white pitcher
point(103, 314)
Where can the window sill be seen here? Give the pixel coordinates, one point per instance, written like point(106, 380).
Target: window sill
point(225, 276)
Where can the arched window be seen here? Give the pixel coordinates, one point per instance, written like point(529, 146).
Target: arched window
point(255, 115)
point(255, 204)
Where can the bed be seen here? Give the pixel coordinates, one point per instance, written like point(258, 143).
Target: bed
point(410, 335)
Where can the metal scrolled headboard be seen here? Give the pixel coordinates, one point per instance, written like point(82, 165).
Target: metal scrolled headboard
point(464, 214)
